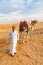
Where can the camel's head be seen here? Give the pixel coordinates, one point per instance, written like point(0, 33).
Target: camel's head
point(33, 22)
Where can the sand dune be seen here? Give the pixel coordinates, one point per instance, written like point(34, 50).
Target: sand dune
point(28, 53)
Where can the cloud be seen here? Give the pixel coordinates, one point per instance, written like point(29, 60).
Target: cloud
point(20, 3)
point(7, 6)
point(25, 6)
point(16, 10)
point(15, 18)
point(29, 2)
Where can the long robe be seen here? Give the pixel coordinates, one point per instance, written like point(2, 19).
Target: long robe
point(14, 38)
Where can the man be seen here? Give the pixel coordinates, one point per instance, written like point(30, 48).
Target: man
point(14, 38)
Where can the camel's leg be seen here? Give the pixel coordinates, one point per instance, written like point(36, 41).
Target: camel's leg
point(21, 36)
point(33, 28)
point(25, 37)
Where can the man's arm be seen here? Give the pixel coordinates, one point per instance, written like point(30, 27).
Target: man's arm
point(18, 35)
point(9, 34)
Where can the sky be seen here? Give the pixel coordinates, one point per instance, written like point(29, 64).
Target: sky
point(12, 11)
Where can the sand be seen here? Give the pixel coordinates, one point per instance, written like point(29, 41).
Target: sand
point(28, 53)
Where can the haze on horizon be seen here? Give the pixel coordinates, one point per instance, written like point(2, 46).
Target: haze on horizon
point(12, 11)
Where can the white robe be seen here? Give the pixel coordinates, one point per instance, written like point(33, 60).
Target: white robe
point(14, 38)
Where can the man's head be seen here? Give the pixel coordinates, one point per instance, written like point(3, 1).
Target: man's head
point(13, 28)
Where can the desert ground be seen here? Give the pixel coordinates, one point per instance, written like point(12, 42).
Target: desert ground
point(28, 53)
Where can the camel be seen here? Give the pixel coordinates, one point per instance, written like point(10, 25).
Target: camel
point(25, 30)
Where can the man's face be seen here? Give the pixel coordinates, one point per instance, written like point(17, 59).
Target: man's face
point(13, 28)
